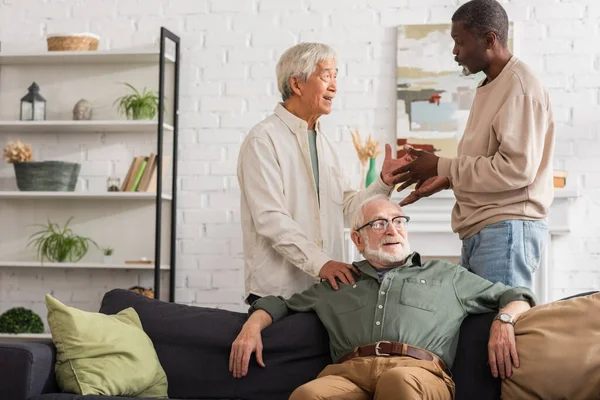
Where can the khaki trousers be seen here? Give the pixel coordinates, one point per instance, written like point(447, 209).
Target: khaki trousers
point(379, 378)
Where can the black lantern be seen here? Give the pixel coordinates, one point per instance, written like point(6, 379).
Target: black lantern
point(33, 105)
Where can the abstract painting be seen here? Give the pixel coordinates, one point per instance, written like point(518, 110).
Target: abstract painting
point(433, 95)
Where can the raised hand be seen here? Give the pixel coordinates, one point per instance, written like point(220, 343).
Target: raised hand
point(391, 164)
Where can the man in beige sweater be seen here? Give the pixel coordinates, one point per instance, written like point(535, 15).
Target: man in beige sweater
point(502, 175)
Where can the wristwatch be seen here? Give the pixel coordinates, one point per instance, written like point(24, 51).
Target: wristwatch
point(506, 318)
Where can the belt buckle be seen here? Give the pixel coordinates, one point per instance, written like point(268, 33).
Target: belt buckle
point(378, 352)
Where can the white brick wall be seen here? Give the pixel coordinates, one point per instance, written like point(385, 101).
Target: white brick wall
point(230, 48)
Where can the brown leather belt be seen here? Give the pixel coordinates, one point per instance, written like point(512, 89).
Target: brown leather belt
point(385, 348)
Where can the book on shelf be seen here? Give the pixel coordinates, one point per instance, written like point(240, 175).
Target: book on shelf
point(142, 174)
point(147, 175)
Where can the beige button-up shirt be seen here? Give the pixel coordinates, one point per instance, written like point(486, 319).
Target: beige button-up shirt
point(288, 236)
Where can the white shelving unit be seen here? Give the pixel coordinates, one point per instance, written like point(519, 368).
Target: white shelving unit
point(79, 127)
point(139, 196)
point(25, 337)
point(37, 264)
point(136, 224)
point(84, 57)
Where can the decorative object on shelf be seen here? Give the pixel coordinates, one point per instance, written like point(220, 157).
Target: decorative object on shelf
point(113, 184)
point(58, 244)
point(138, 105)
point(51, 176)
point(72, 41)
point(82, 110)
point(371, 173)
point(108, 252)
point(33, 105)
point(366, 152)
point(142, 260)
point(20, 320)
point(17, 152)
point(143, 291)
point(560, 179)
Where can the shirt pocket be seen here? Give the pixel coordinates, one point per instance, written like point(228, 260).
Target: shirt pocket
point(420, 293)
point(336, 185)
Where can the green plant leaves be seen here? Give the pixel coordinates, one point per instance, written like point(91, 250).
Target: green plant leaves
point(138, 105)
point(58, 244)
point(20, 320)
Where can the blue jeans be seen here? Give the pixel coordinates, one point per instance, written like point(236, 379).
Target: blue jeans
point(507, 251)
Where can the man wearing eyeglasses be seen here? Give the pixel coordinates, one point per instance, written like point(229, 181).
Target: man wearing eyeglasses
point(393, 333)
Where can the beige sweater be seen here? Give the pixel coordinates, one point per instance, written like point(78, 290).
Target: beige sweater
point(503, 170)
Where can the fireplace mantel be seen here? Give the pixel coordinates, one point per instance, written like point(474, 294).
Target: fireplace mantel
point(430, 232)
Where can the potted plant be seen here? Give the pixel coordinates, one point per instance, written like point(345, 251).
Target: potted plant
point(58, 244)
point(108, 252)
point(138, 105)
point(366, 152)
point(40, 175)
point(21, 320)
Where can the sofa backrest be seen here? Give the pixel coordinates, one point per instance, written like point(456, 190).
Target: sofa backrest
point(193, 345)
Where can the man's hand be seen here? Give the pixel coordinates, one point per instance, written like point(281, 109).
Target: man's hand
point(390, 165)
point(502, 349)
point(422, 167)
point(425, 189)
point(247, 342)
point(342, 271)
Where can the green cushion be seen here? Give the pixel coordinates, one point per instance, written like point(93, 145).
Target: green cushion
point(107, 355)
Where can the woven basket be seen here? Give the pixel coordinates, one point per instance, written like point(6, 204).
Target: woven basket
point(51, 176)
point(72, 42)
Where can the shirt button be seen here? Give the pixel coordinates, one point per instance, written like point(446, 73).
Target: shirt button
point(380, 306)
point(423, 281)
point(382, 292)
point(377, 323)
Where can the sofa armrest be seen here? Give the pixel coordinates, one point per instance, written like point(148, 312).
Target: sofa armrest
point(27, 370)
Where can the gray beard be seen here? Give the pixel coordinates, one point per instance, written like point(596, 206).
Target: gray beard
point(466, 71)
point(384, 258)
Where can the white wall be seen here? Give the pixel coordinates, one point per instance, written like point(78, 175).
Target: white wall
point(230, 48)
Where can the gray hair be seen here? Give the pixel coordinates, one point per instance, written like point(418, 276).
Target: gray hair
point(300, 61)
point(483, 16)
point(358, 218)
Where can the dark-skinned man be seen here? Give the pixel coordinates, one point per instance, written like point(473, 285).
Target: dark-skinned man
point(502, 175)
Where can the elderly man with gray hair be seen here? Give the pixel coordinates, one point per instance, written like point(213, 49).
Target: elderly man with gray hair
point(393, 334)
point(293, 192)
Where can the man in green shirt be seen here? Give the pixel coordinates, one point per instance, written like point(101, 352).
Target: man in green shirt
point(393, 334)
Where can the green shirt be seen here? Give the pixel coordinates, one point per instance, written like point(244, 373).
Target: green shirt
point(314, 159)
point(421, 304)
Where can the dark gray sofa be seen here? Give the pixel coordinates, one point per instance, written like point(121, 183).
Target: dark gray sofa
point(193, 346)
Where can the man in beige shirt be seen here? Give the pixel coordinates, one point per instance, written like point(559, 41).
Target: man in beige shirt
point(293, 192)
point(502, 176)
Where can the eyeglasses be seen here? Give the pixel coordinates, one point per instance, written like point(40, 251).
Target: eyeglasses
point(382, 224)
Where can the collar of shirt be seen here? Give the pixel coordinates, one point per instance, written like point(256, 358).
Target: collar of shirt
point(295, 124)
point(413, 260)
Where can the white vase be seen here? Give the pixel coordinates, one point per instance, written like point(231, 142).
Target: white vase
point(108, 260)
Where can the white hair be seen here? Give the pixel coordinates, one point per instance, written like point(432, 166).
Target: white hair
point(358, 219)
point(300, 61)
